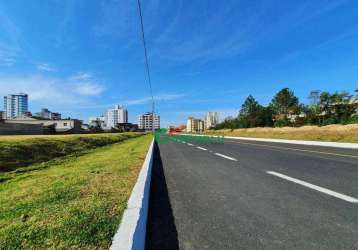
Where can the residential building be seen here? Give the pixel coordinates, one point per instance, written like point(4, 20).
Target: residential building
point(2, 115)
point(15, 105)
point(211, 120)
point(60, 126)
point(148, 121)
point(194, 125)
point(118, 114)
point(99, 121)
point(47, 114)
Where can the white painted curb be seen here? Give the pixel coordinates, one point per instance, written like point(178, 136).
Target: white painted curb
point(299, 142)
point(132, 230)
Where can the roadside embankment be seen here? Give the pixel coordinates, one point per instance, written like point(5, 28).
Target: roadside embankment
point(21, 151)
point(76, 203)
point(333, 133)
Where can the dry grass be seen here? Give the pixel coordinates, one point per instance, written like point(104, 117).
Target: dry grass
point(335, 133)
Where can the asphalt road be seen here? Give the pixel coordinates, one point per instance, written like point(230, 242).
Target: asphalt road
point(253, 195)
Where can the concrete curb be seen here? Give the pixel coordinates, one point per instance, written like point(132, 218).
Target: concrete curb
point(132, 230)
point(299, 142)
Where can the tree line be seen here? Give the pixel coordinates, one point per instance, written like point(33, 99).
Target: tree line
point(285, 110)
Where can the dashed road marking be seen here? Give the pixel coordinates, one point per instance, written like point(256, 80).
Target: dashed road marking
point(315, 187)
point(226, 157)
point(190, 144)
point(296, 149)
point(201, 148)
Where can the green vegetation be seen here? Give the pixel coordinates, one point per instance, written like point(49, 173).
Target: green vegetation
point(161, 137)
point(286, 110)
point(75, 202)
point(21, 151)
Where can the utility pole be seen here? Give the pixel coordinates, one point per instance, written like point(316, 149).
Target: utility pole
point(146, 60)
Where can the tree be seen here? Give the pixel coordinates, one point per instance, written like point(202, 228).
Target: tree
point(314, 97)
point(229, 122)
point(284, 102)
point(252, 114)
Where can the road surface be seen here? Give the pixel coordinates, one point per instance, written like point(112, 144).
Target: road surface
point(253, 195)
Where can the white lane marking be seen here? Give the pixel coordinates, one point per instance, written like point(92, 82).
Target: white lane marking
point(201, 148)
point(314, 187)
point(226, 157)
point(190, 144)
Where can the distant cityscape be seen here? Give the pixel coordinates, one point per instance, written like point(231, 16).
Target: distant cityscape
point(17, 119)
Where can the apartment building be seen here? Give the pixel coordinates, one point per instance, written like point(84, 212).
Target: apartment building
point(194, 125)
point(15, 105)
point(118, 114)
point(98, 121)
point(211, 120)
point(147, 121)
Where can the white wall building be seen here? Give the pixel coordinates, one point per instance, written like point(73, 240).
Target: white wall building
point(63, 125)
point(118, 114)
point(211, 120)
point(146, 122)
point(15, 105)
point(97, 121)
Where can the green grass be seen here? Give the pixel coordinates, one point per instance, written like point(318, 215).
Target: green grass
point(21, 151)
point(73, 203)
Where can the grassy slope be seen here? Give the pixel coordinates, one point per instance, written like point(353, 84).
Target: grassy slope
point(21, 151)
point(335, 133)
point(76, 203)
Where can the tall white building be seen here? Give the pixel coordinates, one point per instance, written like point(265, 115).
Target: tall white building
point(211, 120)
point(146, 121)
point(15, 105)
point(118, 114)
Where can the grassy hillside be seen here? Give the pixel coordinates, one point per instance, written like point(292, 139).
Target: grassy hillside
point(21, 151)
point(335, 133)
point(75, 203)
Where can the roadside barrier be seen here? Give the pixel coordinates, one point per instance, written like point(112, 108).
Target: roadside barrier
point(131, 233)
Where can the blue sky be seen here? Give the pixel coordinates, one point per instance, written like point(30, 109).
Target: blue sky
point(79, 57)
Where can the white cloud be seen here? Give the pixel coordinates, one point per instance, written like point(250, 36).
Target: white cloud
point(89, 89)
point(7, 56)
point(45, 67)
point(82, 76)
point(51, 91)
point(160, 97)
point(11, 40)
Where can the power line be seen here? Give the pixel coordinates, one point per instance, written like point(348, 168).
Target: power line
point(146, 61)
